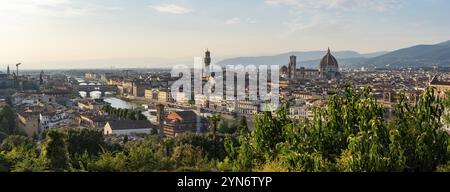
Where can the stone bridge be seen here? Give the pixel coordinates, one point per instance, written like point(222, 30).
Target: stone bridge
point(90, 88)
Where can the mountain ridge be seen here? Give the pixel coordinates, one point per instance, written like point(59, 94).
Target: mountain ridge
point(304, 58)
point(422, 55)
point(415, 56)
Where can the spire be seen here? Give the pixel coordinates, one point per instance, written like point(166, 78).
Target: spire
point(41, 77)
point(329, 50)
point(207, 53)
point(207, 58)
point(7, 70)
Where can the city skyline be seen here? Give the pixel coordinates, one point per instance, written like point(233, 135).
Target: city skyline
point(249, 86)
point(152, 33)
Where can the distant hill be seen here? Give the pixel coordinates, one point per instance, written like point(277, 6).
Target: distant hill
point(416, 56)
point(309, 59)
point(343, 62)
point(445, 44)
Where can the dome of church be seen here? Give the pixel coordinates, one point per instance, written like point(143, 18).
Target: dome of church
point(328, 61)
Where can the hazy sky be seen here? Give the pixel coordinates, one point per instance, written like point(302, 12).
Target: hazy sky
point(157, 33)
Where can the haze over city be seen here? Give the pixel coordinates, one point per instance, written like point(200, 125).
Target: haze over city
point(45, 34)
point(238, 89)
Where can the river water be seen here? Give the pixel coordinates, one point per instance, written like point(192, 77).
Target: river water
point(115, 102)
point(120, 104)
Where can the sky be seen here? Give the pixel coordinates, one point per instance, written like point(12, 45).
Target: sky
point(45, 34)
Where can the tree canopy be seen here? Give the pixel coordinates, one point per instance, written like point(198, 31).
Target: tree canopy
point(350, 133)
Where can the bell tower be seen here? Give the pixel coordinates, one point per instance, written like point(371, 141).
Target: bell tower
point(207, 58)
point(293, 66)
point(206, 70)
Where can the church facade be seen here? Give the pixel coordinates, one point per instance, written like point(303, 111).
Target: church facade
point(328, 69)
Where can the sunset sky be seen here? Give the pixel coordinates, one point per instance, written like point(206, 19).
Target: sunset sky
point(156, 33)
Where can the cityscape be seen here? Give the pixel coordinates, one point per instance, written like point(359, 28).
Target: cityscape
point(295, 111)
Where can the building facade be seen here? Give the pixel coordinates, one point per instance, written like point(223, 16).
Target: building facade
point(128, 127)
point(328, 69)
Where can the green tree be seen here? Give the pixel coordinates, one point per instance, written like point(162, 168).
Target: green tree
point(244, 161)
point(143, 159)
point(154, 131)
point(30, 164)
point(140, 116)
point(7, 121)
point(360, 137)
point(4, 166)
point(3, 136)
point(224, 128)
point(84, 140)
point(19, 153)
point(243, 127)
point(107, 109)
point(54, 150)
point(109, 162)
point(81, 162)
point(444, 168)
point(204, 141)
point(16, 141)
point(188, 157)
point(350, 134)
point(131, 115)
point(120, 113)
point(24, 158)
point(269, 130)
point(423, 139)
point(214, 121)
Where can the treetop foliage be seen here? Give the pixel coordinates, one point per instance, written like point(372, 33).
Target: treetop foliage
point(351, 133)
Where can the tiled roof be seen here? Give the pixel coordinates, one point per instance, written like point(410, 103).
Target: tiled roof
point(130, 124)
point(185, 115)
